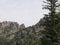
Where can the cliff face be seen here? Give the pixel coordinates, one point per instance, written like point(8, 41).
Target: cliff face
point(8, 29)
point(30, 33)
point(13, 29)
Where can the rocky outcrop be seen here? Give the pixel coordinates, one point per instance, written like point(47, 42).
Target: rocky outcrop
point(8, 28)
point(13, 29)
point(22, 26)
point(31, 32)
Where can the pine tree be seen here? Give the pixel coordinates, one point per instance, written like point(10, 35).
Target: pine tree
point(51, 21)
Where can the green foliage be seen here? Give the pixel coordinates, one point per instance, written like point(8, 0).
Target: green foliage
point(3, 41)
point(52, 23)
point(45, 41)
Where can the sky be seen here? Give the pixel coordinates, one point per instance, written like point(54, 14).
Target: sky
point(28, 12)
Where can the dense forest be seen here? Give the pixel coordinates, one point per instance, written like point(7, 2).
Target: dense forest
point(45, 32)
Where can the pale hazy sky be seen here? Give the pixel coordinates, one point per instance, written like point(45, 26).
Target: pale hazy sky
point(28, 12)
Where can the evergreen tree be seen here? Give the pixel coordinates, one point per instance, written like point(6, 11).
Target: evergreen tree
point(51, 22)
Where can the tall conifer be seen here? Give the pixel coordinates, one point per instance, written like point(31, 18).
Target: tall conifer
point(51, 21)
